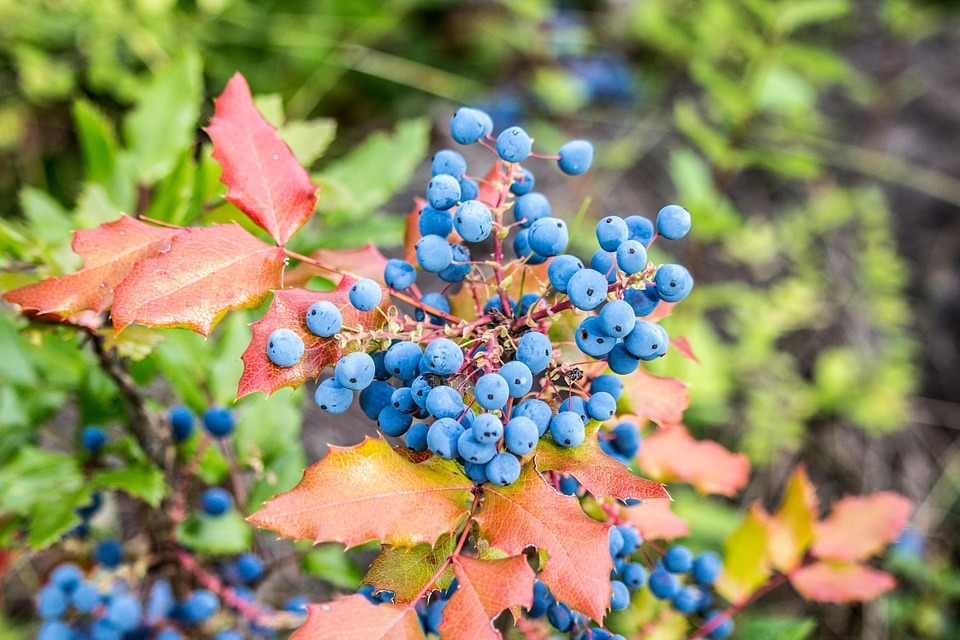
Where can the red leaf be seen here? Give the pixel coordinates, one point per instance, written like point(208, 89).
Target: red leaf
point(206, 272)
point(529, 513)
point(411, 233)
point(671, 454)
point(356, 618)
point(600, 474)
point(486, 587)
point(662, 400)
point(262, 175)
point(491, 185)
point(109, 252)
point(681, 345)
point(840, 582)
point(859, 527)
point(364, 262)
point(368, 492)
point(655, 521)
point(289, 310)
point(663, 310)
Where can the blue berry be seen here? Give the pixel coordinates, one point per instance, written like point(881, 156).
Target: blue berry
point(434, 253)
point(560, 616)
point(375, 397)
point(434, 301)
point(617, 318)
point(643, 301)
point(85, 597)
point(611, 231)
point(673, 222)
point(567, 429)
point(416, 437)
point(577, 405)
point(514, 145)
point(392, 422)
point(631, 257)
point(633, 575)
point(487, 428)
point(403, 359)
point(124, 612)
point(181, 421)
point(398, 274)
point(536, 410)
point(591, 339)
point(601, 406)
point(495, 303)
point(249, 567)
point(473, 451)
point(561, 269)
point(219, 421)
point(678, 559)
point(459, 265)
point(365, 294)
point(284, 348)
point(575, 157)
point(443, 357)
point(355, 371)
point(647, 341)
point(443, 192)
point(587, 289)
point(296, 604)
point(445, 402)
point(324, 319)
point(449, 162)
point(518, 376)
point(609, 383)
point(707, 567)
point(420, 389)
point(442, 437)
point(631, 538)
point(531, 207)
point(626, 439)
point(433, 616)
point(201, 605)
point(529, 301)
point(687, 599)
point(663, 584)
point(433, 222)
point(93, 439)
point(721, 631)
point(568, 485)
point(523, 184)
point(541, 600)
point(641, 229)
point(535, 350)
point(615, 542)
point(103, 629)
point(473, 221)
point(605, 263)
point(469, 125)
point(109, 553)
point(521, 246)
point(491, 391)
point(520, 435)
point(548, 236)
point(216, 501)
point(54, 630)
point(402, 400)
point(469, 188)
point(673, 282)
point(622, 361)
point(169, 634)
point(476, 472)
point(160, 601)
point(620, 599)
point(503, 469)
point(51, 602)
point(332, 397)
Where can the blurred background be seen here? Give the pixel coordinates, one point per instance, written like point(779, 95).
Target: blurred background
point(814, 142)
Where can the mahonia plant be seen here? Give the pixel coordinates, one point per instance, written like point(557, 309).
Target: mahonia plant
point(497, 440)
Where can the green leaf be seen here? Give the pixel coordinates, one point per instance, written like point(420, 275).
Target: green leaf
point(164, 121)
point(217, 535)
point(309, 139)
point(406, 571)
point(777, 628)
point(140, 481)
point(330, 562)
point(98, 141)
point(795, 15)
point(172, 199)
point(281, 473)
point(268, 427)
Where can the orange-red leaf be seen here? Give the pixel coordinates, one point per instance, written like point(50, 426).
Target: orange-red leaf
point(529, 513)
point(655, 520)
point(790, 530)
point(289, 310)
point(600, 474)
point(840, 582)
point(681, 345)
point(206, 272)
point(859, 527)
point(262, 175)
point(486, 587)
point(368, 492)
point(671, 453)
point(109, 252)
point(492, 185)
point(651, 397)
point(355, 618)
point(411, 233)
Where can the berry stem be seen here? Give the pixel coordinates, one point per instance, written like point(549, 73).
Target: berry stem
point(734, 609)
point(250, 611)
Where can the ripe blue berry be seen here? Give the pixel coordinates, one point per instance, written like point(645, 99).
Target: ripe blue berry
point(631, 257)
point(124, 612)
point(54, 630)
point(473, 221)
point(442, 437)
point(678, 559)
point(611, 231)
point(296, 604)
point(643, 301)
point(617, 319)
point(518, 377)
point(609, 383)
point(443, 191)
point(548, 236)
point(201, 605)
point(51, 602)
point(445, 402)
point(707, 567)
point(622, 361)
point(620, 599)
point(476, 472)
point(469, 125)
point(560, 616)
point(434, 301)
point(433, 222)
point(531, 207)
point(615, 542)
point(514, 145)
point(473, 451)
point(324, 319)
point(67, 576)
point(332, 397)
point(626, 439)
point(448, 162)
point(520, 435)
point(521, 247)
point(647, 341)
point(355, 371)
point(375, 397)
point(568, 485)
point(601, 406)
point(641, 229)
point(631, 538)
point(219, 421)
point(181, 421)
point(633, 575)
point(530, 301)
point(536, 410)
point(541, 600)
point(673, 222)
point(469, 188)
point(416, 437)
point(487, 428)
point(575, 157)
point(491, 391)
point(605, 263)
point(85, 597)
point(93, 439)
point(398, 274)
point(443, 357)
point(108, 553)
point(216, 501)
point(673, 282)
point(663, 584)
point(535, 350)
point(503, 469)
point(365, 294)
point(393, 423)
point(249, 567)
point(567, 429)
point(561, 269)
point(284, 348)
point(577, 405)
point(587, 289)
point(403, 360)
point(433, 253)
point(591, 339)
point(721, 631)
point(523, 184)
point(459, 265)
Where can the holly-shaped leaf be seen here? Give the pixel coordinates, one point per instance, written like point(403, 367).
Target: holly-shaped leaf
point(365, 262)
point(406, 571)
point(206, 272)
point(486, 587)
point(600, 474)
point(368, 492)
point(262, 175)
point(288, 310)
point(529, 513)
point(655, 520)
point(859, 527)
point(790, 530)
point(109, 252)
point(745, 562)
point(356, 618)
point(671, 453)
point(650, 397)
point(840, 582)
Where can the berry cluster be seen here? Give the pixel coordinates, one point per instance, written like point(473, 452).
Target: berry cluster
point(429, 610)
point(485, 391)
point(696, 597)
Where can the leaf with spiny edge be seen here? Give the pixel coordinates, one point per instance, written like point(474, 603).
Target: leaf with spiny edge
point(485, 589)
point(840, 582)
point(860, 526)
point(529, 513)
point(369, 492)
point(356, 618)
point(262, 175)
point(407, 570)
point(288, 310)
point(207, 272)
point(599, 474)
point(670, 453)
point(662, 400)
point(109, 253)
